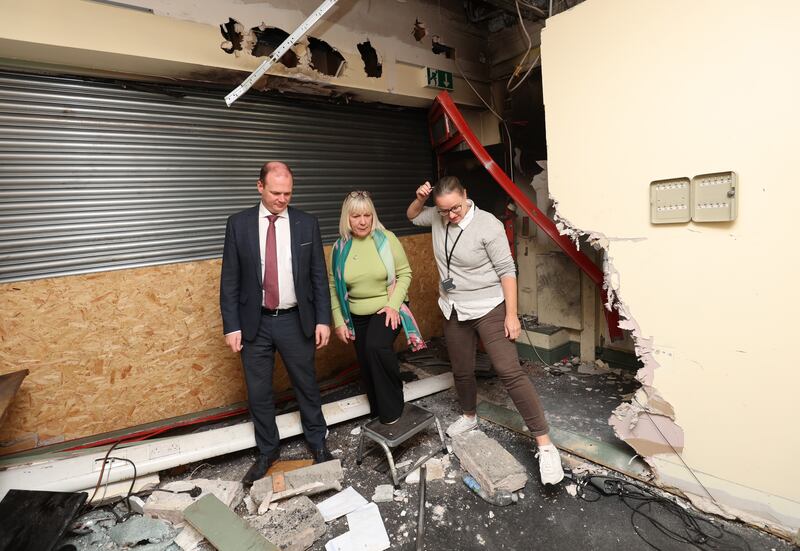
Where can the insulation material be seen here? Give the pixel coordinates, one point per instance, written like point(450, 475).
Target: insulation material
point(116, 349)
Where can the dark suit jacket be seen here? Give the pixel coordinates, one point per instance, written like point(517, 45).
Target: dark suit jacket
point(240, 293)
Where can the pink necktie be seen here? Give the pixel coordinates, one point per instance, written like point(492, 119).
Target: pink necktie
point(271, 295)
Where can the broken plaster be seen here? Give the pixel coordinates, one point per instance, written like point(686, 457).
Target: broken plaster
point(307, 55)
point(647, 421)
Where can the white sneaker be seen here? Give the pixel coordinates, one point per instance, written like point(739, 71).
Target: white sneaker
point(462, 424)
point(550, 464)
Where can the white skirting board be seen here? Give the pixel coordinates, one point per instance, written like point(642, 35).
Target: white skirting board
point(75, 471)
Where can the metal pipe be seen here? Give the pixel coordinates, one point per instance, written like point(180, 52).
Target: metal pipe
point(421, 513)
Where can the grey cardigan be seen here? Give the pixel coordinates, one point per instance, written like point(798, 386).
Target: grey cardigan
point(480, 259)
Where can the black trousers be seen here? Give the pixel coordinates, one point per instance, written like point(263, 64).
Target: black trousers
point(380, 370)
point(285, 335)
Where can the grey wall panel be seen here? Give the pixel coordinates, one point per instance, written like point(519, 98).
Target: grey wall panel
point(98, 176)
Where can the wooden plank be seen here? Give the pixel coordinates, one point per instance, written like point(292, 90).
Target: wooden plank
point(289, 465)
point(223, 528)
point(9, 385)
point(589, 313)
point(615, 456)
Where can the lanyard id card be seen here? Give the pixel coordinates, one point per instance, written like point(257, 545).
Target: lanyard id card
point(447, 283)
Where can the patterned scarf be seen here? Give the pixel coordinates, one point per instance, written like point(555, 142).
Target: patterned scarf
point(340, 251)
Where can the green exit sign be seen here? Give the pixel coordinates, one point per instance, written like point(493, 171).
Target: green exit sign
point(439, 79)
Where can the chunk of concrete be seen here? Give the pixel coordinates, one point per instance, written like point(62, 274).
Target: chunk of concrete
point(189, 538)
point(492, 465)
point(141, 529)
point(169, 506)
point(383, 493)
point(435, 468)
point(306, 481)
point(293, 526)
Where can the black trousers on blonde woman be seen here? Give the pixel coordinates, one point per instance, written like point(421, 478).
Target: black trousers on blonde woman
point(380, 369)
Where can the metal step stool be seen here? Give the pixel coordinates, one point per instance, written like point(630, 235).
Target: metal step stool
point(413, 420)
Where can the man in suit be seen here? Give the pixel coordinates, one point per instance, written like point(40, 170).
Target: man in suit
point(274, 296)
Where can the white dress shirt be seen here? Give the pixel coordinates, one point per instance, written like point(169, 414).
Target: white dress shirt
point(283, 243)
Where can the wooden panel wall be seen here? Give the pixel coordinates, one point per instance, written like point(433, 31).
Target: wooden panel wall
point(116, 349)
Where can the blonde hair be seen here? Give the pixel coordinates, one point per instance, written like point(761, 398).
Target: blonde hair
point(357, 201)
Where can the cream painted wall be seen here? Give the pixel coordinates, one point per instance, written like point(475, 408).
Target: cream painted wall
point(182, 41)
point(639, 90)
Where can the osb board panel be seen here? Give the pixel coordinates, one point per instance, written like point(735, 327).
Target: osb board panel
point(112, 350)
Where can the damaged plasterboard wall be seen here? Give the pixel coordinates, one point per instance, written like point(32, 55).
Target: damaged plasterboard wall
point(713, 306)
point(214, 42)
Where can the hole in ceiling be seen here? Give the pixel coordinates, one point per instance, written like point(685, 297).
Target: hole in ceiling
point(325, 58)
point(439, 48)
point(268, 39)
point(232, 33)
point(372, 66)
point(420, 31)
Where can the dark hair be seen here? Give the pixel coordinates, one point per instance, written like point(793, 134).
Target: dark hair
point(272, 166)
point(447, 184)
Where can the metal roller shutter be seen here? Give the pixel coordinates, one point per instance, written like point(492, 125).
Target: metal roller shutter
point(96, 176)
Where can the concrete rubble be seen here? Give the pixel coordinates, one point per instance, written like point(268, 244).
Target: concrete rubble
point(293, 526)
point(310, 480)
point(170, 506)
point(384, 493)
point(492, 465)
point(141, 529)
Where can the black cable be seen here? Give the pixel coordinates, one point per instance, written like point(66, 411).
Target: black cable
point(696, 531)
point(102, 470)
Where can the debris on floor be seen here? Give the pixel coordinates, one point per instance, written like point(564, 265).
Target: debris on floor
point(384, 493)
point(169, 505)
point(346, 501)
point(436, 470)
point(311, 480)
point(371, 514)
point(367, 531)
point(293, 526)
point(138, 530)
point(223, 528)
point(490, 463)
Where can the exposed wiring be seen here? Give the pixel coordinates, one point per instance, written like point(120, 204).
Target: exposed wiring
point(692, 529)
point(525, 327)
point(102, 470)
point(493, 112)
point(519, 66)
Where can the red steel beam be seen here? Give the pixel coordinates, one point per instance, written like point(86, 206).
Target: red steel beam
point(456, 131)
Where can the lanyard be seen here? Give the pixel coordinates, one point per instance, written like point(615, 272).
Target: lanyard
point(449, 256)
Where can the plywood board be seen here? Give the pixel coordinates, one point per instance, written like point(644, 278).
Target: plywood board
point(9, 385)
point(117, 349)
point(558, 288)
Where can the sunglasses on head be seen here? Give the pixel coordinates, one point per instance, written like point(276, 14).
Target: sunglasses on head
point(355, 194)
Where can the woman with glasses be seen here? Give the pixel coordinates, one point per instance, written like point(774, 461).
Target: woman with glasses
point(370, 276)
point(478, 297)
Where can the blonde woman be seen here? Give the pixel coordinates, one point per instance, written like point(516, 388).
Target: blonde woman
point(370, 276)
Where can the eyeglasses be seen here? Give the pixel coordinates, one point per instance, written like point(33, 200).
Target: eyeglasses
point(455, 210)
point(356, 194)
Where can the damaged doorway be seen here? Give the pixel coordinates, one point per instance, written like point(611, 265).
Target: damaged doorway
point(584, 366)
